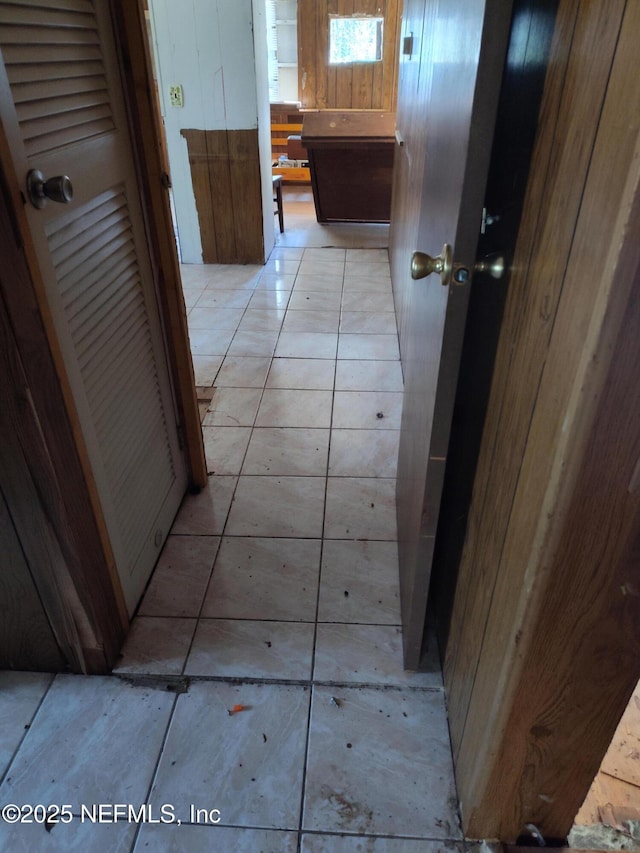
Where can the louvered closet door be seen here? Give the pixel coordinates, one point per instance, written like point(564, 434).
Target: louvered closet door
point(61, 104)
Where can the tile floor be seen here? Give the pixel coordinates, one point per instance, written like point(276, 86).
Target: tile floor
point(277, 591)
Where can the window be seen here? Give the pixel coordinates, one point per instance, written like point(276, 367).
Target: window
point(355, 40)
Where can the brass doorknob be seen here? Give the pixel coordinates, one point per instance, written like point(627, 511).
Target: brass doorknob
point(493, 265)
point(57, 189)
point(423, 265)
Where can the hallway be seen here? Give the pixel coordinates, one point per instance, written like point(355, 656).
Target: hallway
point(263, 673)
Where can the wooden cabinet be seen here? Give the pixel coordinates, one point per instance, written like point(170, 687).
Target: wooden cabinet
point(351, 159)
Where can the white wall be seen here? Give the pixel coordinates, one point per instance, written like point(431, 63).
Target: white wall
point(207, 47)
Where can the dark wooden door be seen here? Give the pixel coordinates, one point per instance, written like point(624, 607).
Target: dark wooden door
point(532, 29)
point(451, 69)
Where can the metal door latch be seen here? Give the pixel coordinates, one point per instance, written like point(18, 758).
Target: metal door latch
point(487, 219)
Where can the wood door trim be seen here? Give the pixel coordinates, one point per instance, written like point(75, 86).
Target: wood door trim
point(52, 432)
point(146, 135)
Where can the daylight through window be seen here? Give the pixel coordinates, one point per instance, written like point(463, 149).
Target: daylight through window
point(355, 40)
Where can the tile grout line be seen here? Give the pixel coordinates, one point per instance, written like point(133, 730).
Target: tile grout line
point(32, 720)
point(156, 767)
point(315, 629)
point(169, 680)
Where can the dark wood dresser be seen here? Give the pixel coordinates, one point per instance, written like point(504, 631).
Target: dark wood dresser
point(351, 158)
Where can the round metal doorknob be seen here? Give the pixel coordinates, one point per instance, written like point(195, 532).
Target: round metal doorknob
point(57, 189)
point(493, 265)
point(423, 265)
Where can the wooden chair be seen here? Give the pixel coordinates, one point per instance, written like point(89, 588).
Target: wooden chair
point(277, 198)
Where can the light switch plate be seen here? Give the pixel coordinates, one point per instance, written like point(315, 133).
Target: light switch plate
point(176, 98)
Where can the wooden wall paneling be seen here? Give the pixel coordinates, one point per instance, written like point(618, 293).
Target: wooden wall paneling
point(92, 639)
point(555, 516)
point(326, 75)
point(343, 75)
point(325, 71)
point(26, 639)
point(221, 196)
point(199, 164)
point(309, 16)
point(313, 52)
point(583, 49)
point(244, 168)
point(377, 7)
point(225, 169)
point(391, 49)
point(353, 86)
point(152, 161)
point(325, 93)
point(362, 77)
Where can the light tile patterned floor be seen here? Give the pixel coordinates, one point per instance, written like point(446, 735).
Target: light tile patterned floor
point(277, 591)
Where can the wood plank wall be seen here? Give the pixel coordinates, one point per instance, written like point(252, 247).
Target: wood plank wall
point(544, 643)
point(225, 170)
point(360, 86)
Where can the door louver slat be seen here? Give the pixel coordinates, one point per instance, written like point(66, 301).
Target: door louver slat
point(56, 73)
point(55, 109)
point(84, 248)
point(98, 288)
point(34, 90)
point(75, 105)
point(53, 35)
point(75, 6)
